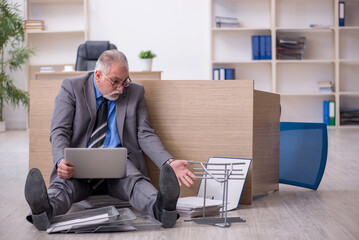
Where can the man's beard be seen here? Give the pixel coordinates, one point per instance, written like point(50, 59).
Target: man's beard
point(111, 96)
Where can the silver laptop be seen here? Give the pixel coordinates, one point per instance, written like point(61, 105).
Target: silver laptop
point(97, 162)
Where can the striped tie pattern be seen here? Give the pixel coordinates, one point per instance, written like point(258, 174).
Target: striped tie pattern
point(98, 135)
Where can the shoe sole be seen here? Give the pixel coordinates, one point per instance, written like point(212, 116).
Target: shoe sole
point(169, 187)
point(37, 198)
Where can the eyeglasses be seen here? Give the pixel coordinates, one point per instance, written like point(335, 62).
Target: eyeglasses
point(118, 84)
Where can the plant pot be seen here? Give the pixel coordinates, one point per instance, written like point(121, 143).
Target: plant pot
point(146, 64)
point(2, 126)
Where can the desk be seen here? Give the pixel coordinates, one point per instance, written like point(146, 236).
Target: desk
point(153, 75)
point(195, 120)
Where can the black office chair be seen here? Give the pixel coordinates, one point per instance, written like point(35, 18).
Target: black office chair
point(89, 52)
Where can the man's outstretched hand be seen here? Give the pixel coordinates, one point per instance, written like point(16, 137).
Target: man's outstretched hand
point(183, 174)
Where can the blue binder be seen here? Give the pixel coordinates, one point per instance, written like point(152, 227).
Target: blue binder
point(326, 112)
point(262, 47)
point(268, 46)
point(229, 74)
point(255, 47)
point(215, 74)
point(341, 13)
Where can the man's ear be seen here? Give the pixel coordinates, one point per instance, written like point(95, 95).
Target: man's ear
point(98, 75)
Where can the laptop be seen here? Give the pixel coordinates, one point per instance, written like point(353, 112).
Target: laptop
point(97, 162)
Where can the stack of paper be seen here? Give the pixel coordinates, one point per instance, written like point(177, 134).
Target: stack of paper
point(325, 86)
point(193, 207)
point(226, 22)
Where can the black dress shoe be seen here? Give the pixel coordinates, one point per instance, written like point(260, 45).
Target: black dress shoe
point(167, 197)
point(38, 200)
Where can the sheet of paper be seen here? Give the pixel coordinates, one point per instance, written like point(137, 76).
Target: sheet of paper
point(196, 202)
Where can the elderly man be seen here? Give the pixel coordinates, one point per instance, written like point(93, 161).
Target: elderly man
point(74, 125)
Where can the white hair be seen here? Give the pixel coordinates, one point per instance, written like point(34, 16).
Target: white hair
point(107, 58)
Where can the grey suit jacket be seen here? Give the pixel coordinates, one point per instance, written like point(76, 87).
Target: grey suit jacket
point(74, 118)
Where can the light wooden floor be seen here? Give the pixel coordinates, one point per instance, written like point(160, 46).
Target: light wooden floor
point(331, 212)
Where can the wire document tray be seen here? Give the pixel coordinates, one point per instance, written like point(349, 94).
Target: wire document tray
point(215, 184)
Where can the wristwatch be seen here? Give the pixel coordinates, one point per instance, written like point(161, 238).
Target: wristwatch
point(170, 160)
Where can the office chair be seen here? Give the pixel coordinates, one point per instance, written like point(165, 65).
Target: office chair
point(89, 52)
point(303, 153)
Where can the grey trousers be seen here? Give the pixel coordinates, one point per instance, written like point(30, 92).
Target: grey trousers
point(135, 188)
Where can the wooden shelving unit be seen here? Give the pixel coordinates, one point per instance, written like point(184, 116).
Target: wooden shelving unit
point(331, 53)
point(66, 27)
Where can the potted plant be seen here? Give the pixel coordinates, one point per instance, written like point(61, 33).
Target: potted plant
point(12, 56)
point(146, 59)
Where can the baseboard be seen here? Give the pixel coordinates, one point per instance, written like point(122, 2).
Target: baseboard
point(12, 125)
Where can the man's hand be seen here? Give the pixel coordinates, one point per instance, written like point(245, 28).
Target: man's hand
point(65, 170)
point(182, 173)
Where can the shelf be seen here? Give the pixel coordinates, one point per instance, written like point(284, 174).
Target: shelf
point(349, 126)
point(239, 29)
point(55, 32)
point(243, 11)
point(243, 62)
point(348, 41)
point(314, 94)
point(349, 61)
point(302, 13)
point(306, 61)
point(58, 15)
point(300, 29)
point(54, 1)
point(349, 28)
point(349, 93)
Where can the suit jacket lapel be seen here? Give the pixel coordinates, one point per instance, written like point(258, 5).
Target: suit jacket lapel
point(121, 107)
point(90, 98)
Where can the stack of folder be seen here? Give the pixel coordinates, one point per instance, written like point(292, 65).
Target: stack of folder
point(290, 48)
point(349, 116)
point(34, 25)
point(106, 219)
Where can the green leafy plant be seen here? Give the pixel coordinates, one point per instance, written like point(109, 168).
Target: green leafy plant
point(11, 38)
point(146, 54)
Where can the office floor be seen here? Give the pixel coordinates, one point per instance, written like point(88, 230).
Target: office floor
point(331, 212)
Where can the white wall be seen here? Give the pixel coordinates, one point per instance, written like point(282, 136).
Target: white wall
point(177, 31)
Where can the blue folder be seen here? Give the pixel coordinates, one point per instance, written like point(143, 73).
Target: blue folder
point(326, 112)
point(268, 46)
point(262, 47)
point(255, 47)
